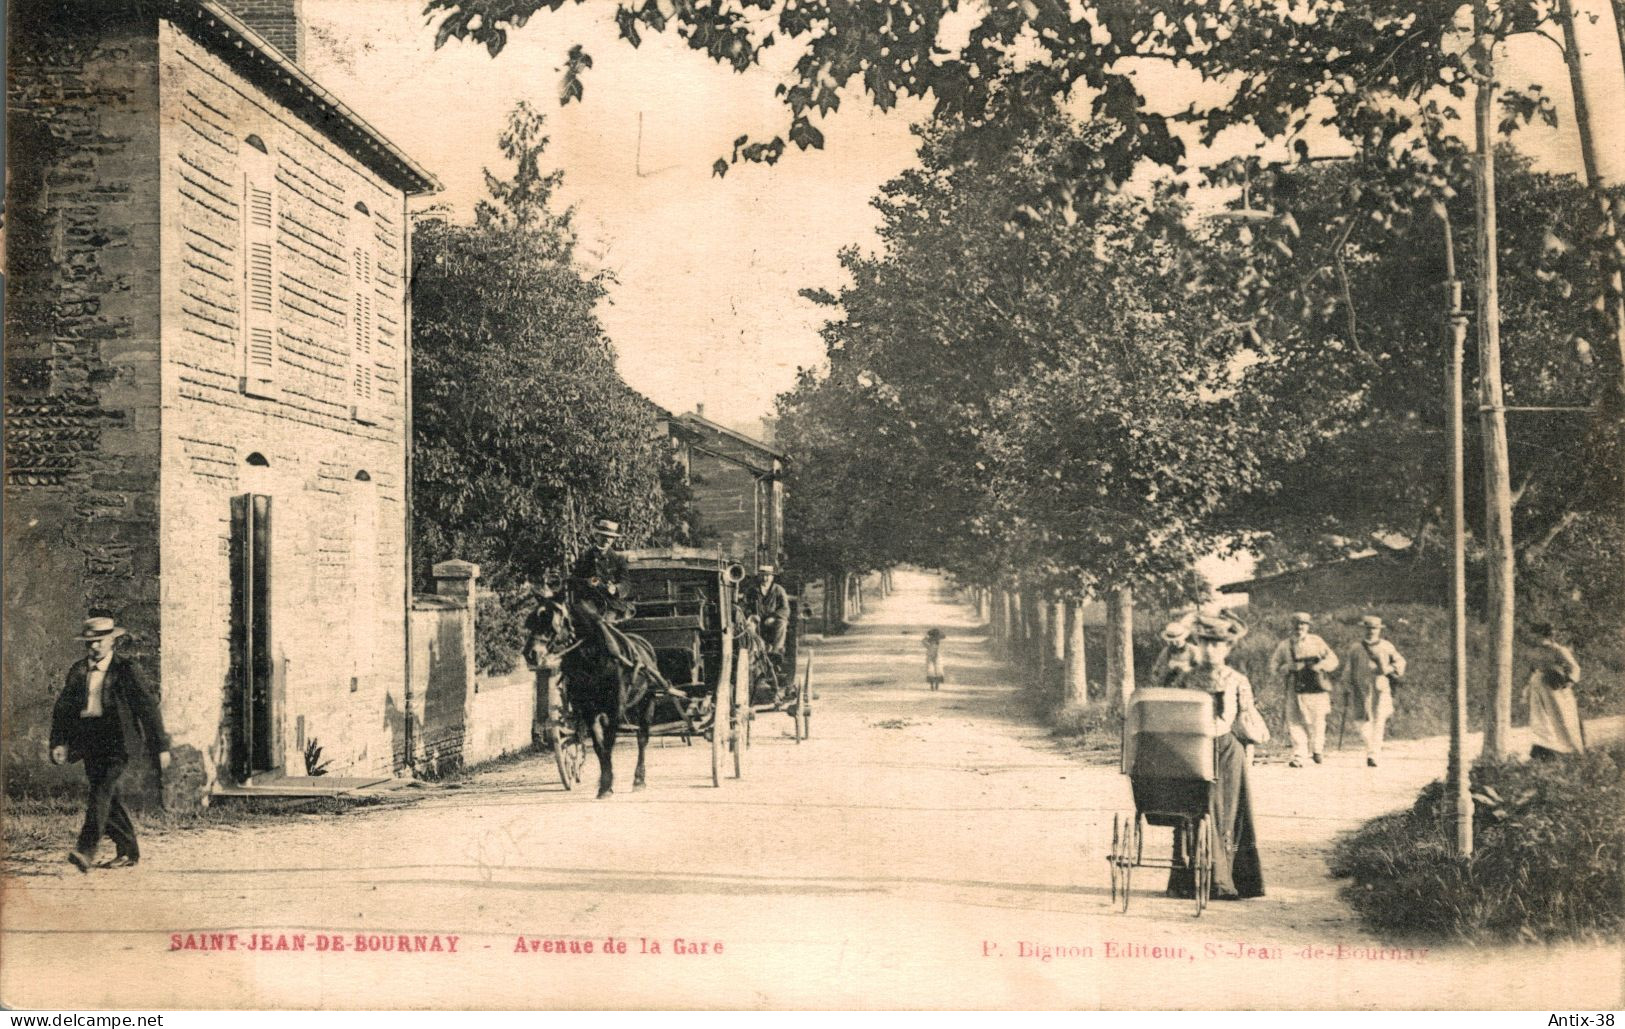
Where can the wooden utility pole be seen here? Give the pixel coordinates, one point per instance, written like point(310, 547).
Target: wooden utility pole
point(1075, 681)
point(1498, 558)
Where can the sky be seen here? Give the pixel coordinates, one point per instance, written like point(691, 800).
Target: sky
point(706, 307)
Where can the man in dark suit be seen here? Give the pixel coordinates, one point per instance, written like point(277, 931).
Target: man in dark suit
point(600, 591)
point(102, 713)
point(767, 600)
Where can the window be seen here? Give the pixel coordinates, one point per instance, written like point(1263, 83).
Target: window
point(258, 342)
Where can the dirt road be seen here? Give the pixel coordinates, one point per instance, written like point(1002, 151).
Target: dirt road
point(921, 850)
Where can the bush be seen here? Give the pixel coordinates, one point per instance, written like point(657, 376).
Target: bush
point(499, 636)
point(1548, 842)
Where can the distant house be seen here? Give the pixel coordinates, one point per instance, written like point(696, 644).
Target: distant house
point(738, 488)
point(1371, 580)
point(207, 386)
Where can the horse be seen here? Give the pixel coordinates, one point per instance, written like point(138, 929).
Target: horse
point(602, 689)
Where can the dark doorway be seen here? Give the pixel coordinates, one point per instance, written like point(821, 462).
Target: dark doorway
point(254, 743)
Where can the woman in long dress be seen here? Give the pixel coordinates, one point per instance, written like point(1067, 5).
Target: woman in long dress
point(1238, 873)
point(1554, 717)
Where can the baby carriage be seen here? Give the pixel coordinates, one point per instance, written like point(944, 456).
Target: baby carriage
point(1168, 756)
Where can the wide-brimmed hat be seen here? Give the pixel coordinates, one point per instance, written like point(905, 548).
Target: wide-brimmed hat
point(765, 570)
point(606, 527)
point(1302, 618)
point(99, 629)
point(1371, 621)
point(1226, 627)
point(1176, 632)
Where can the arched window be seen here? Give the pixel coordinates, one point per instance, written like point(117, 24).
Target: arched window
point(258, 460)
point(257, 143)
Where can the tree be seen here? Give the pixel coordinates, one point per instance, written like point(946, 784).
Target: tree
point(523, 429)
point(1055, 400)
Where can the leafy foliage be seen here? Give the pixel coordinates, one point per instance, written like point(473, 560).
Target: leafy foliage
point(1352, 350)
point(523, 428)
point(1548, 841)
point(1053, 397)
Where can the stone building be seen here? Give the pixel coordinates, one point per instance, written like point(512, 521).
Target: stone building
point(738, 488)
point(206, 395)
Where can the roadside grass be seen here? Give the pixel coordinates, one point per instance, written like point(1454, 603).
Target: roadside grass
point(1421, 702)
point(1548, 846)
point(50, 820)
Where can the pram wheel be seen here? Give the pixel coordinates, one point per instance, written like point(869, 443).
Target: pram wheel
point(1202, 860)
point(1127, 841)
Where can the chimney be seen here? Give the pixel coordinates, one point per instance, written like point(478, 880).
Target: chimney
point(699, 409)
point(279, 21)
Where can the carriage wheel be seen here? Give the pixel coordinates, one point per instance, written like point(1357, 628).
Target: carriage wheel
point(569, 750)
point(718, 729)
point(1203, 862)
point(739, 727)
point(803, 698)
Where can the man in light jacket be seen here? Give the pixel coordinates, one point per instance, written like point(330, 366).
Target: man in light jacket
point(1372, 668)
point(1302, 662)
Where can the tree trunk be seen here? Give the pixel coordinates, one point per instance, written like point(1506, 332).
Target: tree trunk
point(1040, 645)
point(1075, 683)
point(1120, 645)
point(1012, 640)
point(1590, 44)
point(1057, 632)
point(1498, 562)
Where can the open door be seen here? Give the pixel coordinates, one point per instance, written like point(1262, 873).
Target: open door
point(254, 746)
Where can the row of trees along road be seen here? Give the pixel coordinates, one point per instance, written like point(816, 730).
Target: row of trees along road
point(523, 429)
point(1377, 82)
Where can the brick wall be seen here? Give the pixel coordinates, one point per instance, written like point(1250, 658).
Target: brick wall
point(279, 21)
point(81, 390)
point(338, 600)
point(725, 500)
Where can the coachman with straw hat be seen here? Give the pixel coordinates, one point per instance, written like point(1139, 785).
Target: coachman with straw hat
point(103, 712)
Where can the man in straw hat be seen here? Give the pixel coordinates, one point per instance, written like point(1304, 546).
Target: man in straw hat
point(1302, 661)
point(102, 713)
point(599, 587)
point(1372, 668)
point(767, 600)
point(1177, 654)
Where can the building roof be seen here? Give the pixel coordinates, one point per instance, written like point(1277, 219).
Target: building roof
point(271, 70)
point(700, 421)
point(1267, 580)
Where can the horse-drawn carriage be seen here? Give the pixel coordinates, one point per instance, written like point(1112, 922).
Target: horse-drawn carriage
point(687, 621)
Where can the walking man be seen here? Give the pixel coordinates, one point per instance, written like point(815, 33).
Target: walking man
point(1372, 669)
point(103, 712)
point(1303, 661)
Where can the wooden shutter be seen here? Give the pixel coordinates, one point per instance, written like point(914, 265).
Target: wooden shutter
point(363, 328)
point(259, 274)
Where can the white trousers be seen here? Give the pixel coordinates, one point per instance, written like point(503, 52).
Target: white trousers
point(1306, 722)
point(1375, 727)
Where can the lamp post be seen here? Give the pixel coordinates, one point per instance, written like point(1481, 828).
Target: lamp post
point(1461, 800)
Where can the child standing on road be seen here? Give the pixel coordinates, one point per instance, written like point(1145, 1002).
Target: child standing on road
point(933, 658)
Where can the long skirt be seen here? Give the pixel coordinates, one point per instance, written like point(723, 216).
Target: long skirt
point(1237, 872)
point(1554, 718)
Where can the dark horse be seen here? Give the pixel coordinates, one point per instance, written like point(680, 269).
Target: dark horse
point(604, 691)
